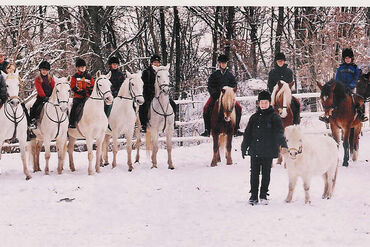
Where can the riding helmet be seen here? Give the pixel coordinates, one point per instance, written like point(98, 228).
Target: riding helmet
point(347, 52)
point(264, 95)
point(113, 60)
point(155, 57)
point(222, 58)
point(80, 62)
point(280, 56)
point(44, 65)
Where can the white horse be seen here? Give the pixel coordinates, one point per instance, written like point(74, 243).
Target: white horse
point(161, 116)
point(13, 119)
point(129, 96)
point(307, 156)
point(93, 123)
point(53, 125)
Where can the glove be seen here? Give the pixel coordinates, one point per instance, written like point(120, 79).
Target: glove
point(45, 99)
point(82, 93)
point(244, 152)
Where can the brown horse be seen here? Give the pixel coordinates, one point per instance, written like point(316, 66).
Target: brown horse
point(339, 106)
point(281, 99)
point(223, 124)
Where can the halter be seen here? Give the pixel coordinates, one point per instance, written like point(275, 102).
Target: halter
point(100, 92)
point(13, 117)
point(133, 96)
point(299, 150)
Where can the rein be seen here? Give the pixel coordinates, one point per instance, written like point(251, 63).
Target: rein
point(133, 96)
point(59, 120)
point(13, 118)
point(99, 92)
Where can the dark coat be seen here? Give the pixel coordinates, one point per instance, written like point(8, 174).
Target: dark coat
point(3, 66)
point(348, 74)
point(279, 74)
point(116, 78)
point(3, 90)
point(82, 85)
point(148, 78)
point(264, 134)
point(217, 80)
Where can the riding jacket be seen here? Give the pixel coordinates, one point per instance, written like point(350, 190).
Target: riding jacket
point(44, 85)
point(3, 66)
point(217, 80)
point(348, 74)
point(3, 90)
point(82, 85)
point(148, 77)
point(116, 78)
point(282, 73)
point(263, 134)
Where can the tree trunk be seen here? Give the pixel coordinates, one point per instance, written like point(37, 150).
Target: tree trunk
point(279, 30)
point(151, 29)
point(230, 31)
point(215, 39)
point(163, 36)
point(178, 52)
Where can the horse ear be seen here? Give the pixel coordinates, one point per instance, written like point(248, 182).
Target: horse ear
point(291, 84)
point(319, 85)
point(129, 75)
point(98, 74)
point(168, 67)
point(69, 79)
point(109, 75)
point(332, 86)
point(279, 83)
point(235, 88)
point(223, 90)
point(155, 68)
point(3, 74)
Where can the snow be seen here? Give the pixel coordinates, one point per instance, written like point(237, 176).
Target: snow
point(193, 205)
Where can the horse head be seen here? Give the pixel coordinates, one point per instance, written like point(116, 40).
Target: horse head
point(136, 87)
point(327, 96)
point(294, 137)
point(162, 80)
point(228, 95)
point(12, 83)
point(102, 87)
point(62, 92)
point(282, 97)
point(362, 85)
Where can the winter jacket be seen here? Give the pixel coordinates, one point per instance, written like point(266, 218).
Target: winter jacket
point(116, 78)
point(3, 90)
point(264, 134)
point(217, 80)
point(279, 74)
point(348, 74)
point(148, 78)
point(82, 85)
point(3, 66)
point(44, 85)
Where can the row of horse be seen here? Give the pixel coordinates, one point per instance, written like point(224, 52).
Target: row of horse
point(93, 125)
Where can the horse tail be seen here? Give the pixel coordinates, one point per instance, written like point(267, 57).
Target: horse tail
point(148, 141)
point(221, 142)
point(335, 176)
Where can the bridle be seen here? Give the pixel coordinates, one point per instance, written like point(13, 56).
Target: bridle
point(99, 91)
point(133, 96)
point(298, 151)
point(13, 115)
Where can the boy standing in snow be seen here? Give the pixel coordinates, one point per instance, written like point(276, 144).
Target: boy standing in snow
point(262, 138)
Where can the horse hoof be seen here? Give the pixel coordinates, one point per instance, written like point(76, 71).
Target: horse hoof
point(153, 167)
point(213, 165)
point(130, 169)
point(171, 168)
point(28, 177)
point(106, 164)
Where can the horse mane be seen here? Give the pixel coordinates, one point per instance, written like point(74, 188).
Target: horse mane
point(121, 89)
point(285, 92)
point(53, 95)
point(339, 92)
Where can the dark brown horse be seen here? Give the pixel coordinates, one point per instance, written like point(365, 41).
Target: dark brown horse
point(223, 124)
point(339, 106)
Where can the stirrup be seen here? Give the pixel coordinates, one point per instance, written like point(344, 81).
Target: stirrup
point(364, 118)
point(324, 119)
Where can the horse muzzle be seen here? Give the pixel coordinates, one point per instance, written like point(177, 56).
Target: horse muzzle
point(140, 100)
point(14, 102)
point(108, 100)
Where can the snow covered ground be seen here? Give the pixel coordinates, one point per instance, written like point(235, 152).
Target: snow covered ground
point(193, 205)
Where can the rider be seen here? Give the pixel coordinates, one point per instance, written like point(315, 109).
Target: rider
point(216, 81)
point(44, 84)
point(3, 62)
point(3, 90)
point(148, 78)
point(116, 78)
point(281, 72)
point(82, 84)
point(10, 68)
point(348, 74)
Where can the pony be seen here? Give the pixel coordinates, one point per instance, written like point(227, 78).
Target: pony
point(129, 95)
point(223, 121)
point(53, 125)
point(13, 118)
point(93, 123)
point(161, 116)
point(340, 107)
point(307, 156)
point(281, 99)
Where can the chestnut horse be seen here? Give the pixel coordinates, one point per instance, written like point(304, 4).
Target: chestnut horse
point(223, 124)
point(340, 108)
point(281, 99)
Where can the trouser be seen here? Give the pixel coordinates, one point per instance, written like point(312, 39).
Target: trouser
point(36, 108)
point(207, 113)
point(144, 111)
point(75, 105)
point(295, 105)
point(258, 164)
point(107, 109)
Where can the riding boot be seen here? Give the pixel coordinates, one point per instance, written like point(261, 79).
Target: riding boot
point(207, 124)
point(237, 132)
point(361, 113)
point(72, 116)
point(174, 108)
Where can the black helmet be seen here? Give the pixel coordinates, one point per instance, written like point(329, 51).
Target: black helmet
point(80, 62)
point(280, 56)
point(347, 52)
point(44, 65)
point(113, 60)
point(264, 95)
point(222, 58)
point(155, 57)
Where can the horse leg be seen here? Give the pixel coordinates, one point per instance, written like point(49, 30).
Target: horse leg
point(355, 140)
point(346, 133)
point(47, 155)
point(98, 157)
point(216, 151)
point(306, 186)
point(61, 148)
point(37, 160)
point(169, 149)
point(229, 160)
point(129, 151)
point(22, 147)
point(292, 183)
point(70, 147)
point(105, 150)
point(154, 135)
point(325, 177)
point(138, 140)
point(33, 147)
point(115, 149)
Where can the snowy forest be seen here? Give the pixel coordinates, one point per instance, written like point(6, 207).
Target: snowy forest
point(189, 38)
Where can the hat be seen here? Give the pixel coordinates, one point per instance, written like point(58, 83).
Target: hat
point(264, 95)
point(222, 58)
point(113, 60)
point(44, 65)
point(280, 56)
point(347, 52)
point(155, 57)
point(80, 62)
